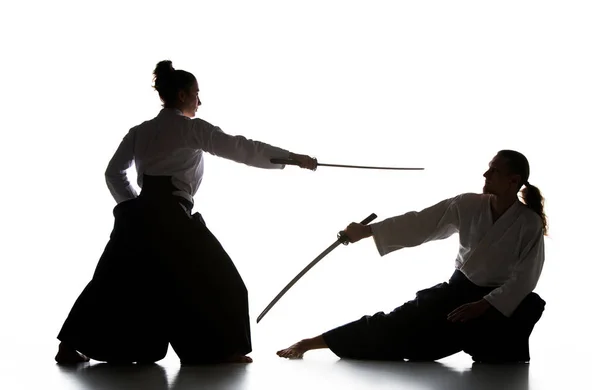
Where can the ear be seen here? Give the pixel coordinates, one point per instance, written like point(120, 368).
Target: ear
point(181, 95)
point(515, 179)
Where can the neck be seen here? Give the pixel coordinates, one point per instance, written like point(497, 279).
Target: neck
point(502, 203)
point(177, 109)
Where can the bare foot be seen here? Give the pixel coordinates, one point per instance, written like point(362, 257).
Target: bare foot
point(240, 359)
point(296, 351)
point(67, 355)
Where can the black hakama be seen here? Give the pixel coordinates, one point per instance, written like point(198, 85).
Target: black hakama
point(162, 278)
point(420, 331)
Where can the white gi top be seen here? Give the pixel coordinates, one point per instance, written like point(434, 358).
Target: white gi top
point(507, 254)
point(173, 144)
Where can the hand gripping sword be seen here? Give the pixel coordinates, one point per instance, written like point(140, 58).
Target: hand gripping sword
point(342, 239)
point(294, 162)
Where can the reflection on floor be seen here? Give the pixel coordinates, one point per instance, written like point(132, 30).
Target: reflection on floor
point(320, 370)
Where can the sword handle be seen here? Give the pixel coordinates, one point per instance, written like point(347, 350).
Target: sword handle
point(342, 236)
point(284, 161)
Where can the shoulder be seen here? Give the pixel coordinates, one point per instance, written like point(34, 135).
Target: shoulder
point(461, 202)
point(470, 199)
point(530, 219)
point(196, 125)
point(200, 123)
point(471, 196)
point(142, 125)
point(130, 134)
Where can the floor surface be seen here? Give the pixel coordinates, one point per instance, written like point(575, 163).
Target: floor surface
point(21, 368)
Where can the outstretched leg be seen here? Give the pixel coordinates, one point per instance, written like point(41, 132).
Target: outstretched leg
point(417, 330)
point(297, 350)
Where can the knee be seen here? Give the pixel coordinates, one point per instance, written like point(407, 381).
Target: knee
point(529, 311)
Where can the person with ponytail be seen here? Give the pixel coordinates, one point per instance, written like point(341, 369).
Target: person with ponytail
point(487, 308)
point(163, 277)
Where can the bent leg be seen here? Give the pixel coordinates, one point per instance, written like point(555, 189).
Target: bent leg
point(494, 338)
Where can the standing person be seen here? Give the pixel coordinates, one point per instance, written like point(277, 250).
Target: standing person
point(487, 308)
point(163, 277)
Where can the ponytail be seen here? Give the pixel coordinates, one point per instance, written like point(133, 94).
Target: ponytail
point(533, 199)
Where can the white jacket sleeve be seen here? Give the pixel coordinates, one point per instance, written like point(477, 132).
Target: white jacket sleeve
point(116, 175)
point(524, 278)
point(237, 148)
point(415, 228)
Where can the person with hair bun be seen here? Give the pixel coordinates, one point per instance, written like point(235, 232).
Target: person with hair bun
point(163, 277)
point(487, 308)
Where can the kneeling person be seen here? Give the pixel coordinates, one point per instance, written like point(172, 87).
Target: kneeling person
point(487, 308)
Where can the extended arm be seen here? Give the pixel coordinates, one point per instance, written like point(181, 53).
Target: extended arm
point(236, 148)
point(410, 229)
point(417, 227)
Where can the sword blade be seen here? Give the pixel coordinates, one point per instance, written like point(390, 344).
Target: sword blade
point(369, 167)
point(290, 284)
point(294, 162)
point(342, 239)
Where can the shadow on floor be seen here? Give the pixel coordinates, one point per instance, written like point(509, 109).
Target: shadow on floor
point(106, 376)
point(362, 374)
point(435, 375)
point(154, 377)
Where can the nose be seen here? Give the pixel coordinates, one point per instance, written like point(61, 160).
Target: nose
point(199, 102)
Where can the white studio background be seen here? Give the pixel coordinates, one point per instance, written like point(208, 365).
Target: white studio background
point(440, 85)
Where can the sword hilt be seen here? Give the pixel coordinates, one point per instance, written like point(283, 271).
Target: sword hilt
point(284, 161)
point(343, 238)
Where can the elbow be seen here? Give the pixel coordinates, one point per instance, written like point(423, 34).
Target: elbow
point(111, 172)
point(111, 178)
point(115, 179)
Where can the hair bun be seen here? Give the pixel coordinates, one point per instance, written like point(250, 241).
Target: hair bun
point(164, 68)
point(169, 81)
point(163, 72)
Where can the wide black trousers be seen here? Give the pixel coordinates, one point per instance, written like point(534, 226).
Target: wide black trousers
point(419, 330)
point(162, 278)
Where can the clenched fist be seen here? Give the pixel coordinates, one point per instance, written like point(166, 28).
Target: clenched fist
point(305, 161)
point(356, 232)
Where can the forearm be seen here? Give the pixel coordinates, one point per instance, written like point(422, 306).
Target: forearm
point(522, 281)
point(116, 170)
point(120, 188)
point(253, 153)
point(415, 228)
point(507, 298)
